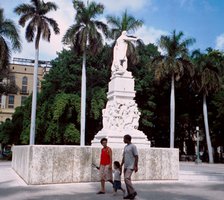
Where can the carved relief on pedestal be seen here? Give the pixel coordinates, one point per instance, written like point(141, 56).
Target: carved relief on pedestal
point(122, 114)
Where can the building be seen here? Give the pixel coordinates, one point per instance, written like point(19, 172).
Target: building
point(21, 72)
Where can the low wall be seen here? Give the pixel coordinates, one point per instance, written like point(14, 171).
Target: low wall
point(45, 164)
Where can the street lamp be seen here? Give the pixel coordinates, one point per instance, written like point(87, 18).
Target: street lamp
point(198, 154)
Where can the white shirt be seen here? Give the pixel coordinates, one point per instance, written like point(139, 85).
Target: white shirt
point(130, 151)
point(117, 175)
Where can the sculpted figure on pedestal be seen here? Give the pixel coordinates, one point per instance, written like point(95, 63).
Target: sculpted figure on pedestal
point(121, 115)
point(119, 65)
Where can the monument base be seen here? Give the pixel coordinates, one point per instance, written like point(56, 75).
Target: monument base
point(47, 164)
point(115, 138)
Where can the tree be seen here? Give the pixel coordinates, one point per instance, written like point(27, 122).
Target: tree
point(8, 32)
point(173, 63)
point(125, 23)
point(35, 15)
point(218, 118)
point(208, 81)
point(85, 35)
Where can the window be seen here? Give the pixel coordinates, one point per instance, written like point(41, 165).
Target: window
point(12, 79)
point(2, 101)
point(24, 85)
point(23, 99)
point(11, 101)
point(25, 80)
point(24, 89)
point(38, 84)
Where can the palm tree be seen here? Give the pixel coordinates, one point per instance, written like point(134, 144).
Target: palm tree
point(208, 81)
point(173, 63)
point(8, 32)
point(125, 23)
point(82, 36)
point(35, 15)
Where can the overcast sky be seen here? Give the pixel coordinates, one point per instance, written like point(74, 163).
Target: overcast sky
point(200, 19)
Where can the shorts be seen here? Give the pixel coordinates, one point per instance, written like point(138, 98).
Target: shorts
point(105, 173)
point(117, 185)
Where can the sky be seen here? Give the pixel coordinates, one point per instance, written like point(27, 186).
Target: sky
point(199, 19)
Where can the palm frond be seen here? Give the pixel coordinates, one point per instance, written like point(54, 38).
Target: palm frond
point(101, 26)
point(4, 55)
point(24, 18)
point(53, 24)
point(70, 36)
point(49, 6)
point(9, 30)
point(24, 9)
point(9, 38)
point(31, 29)
point(85, 32)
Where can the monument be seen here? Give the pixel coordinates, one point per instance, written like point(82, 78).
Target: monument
point(50, 164)
point(121, 115)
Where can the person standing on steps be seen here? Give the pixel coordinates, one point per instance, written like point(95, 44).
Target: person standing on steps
point(105, 165)
point(130, 162)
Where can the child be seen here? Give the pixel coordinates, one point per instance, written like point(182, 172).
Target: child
point(117, 178)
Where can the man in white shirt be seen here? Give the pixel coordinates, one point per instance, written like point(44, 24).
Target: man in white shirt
point(130, 162)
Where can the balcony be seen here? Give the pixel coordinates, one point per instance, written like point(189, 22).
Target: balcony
point(24, 92)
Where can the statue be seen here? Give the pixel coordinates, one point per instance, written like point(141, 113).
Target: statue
point(121, 115)
point(119, 65)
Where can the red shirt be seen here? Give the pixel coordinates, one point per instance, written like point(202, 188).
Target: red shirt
point(105, 156)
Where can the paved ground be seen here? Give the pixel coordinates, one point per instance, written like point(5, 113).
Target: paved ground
point(197, 182)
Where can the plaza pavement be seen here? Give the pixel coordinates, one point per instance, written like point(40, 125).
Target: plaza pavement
point(197, 182)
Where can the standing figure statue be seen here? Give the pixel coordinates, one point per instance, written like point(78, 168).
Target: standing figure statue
point(119, 65)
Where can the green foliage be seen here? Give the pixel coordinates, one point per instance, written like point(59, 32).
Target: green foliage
point(97, 102)
point(208, 71)
point(124, 23)
point(6, 131)
point(8, 32)
point(71, 134)
point(58, 109)
point(38, 23)
point(85, 34)
point(9, 37)
point(219, 104)
point(176, 61)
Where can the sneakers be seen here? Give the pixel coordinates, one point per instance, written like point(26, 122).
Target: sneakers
point(127, 197)
point(100, 192)
point(131, 196)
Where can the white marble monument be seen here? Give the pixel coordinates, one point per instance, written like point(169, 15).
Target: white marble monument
point(47, 164)
point(121, 115)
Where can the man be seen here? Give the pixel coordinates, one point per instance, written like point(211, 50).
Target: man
point(105, 165)
point(130, 162)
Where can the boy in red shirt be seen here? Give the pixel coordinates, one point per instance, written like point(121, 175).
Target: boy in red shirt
point(105, 165)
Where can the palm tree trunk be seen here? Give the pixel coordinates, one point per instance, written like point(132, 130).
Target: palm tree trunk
point(83, 100)
point(172, 113)
point(34, 99)
point(205, 113)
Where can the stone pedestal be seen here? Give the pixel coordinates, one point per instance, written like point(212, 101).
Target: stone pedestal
point(51, 164)
point(121, 115)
